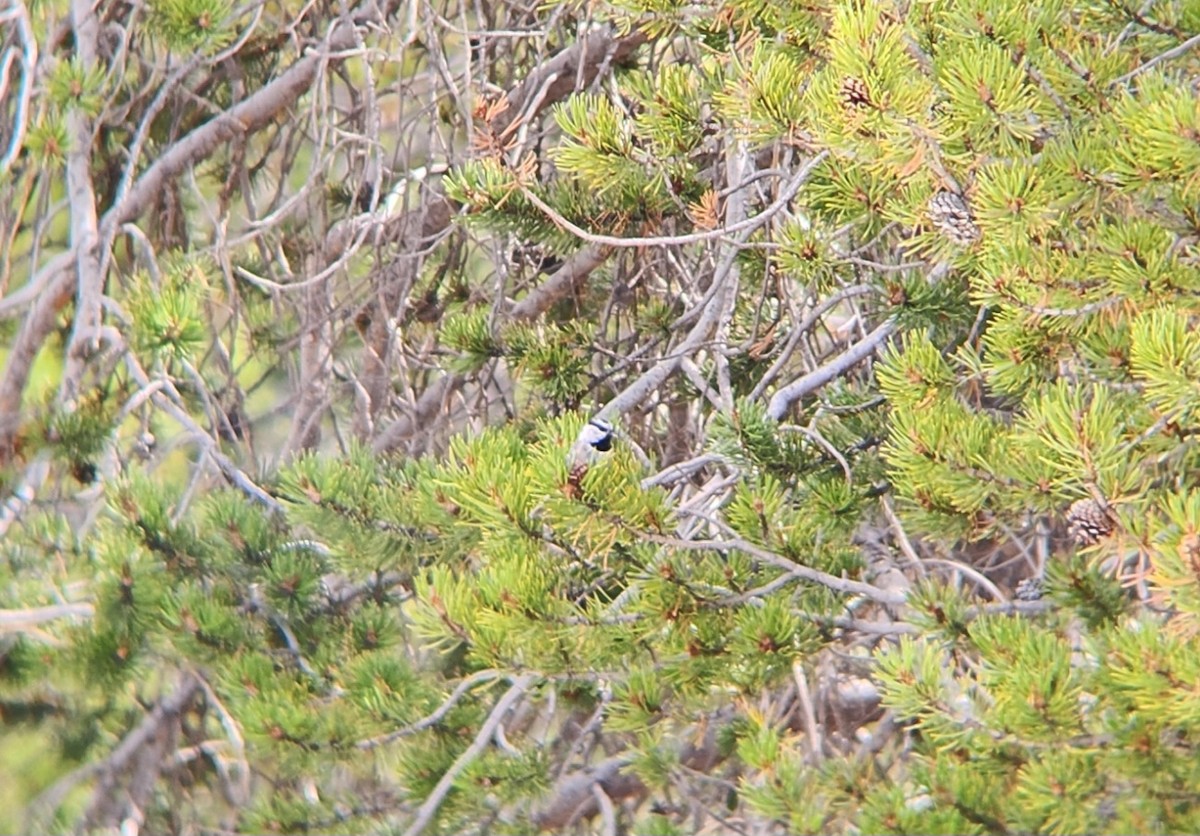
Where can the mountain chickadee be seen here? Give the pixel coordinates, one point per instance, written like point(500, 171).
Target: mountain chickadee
point(596, 437)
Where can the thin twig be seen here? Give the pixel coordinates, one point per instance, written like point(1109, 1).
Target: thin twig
point(807, 714)
point(682, 470)
point(226, 465)
point(1174, 52)
point(749, 224)
point(237, 742)
point(429, 807)
point(897, 527)
point(844, 585)
point(974, 574)
point(29, 60)
point(433, 719)
point(820, 440)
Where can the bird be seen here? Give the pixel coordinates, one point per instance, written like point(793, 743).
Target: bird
point(597, 434)
point(595, 438)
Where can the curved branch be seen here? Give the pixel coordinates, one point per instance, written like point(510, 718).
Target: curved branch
point(741, 226)
point(29, 60)
point(441, 711)
point(429, 807)
point(843, 585)
point(783, 399)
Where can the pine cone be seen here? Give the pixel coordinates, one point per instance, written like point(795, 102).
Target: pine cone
point(1088, 522)
point(574, 487)
point(1030, 589)
point(952, 215)
point(855, 93)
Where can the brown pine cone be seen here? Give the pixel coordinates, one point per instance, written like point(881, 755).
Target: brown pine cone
point(951, 214)
point(1088, 522)
point(574, 487)
point(855, 93)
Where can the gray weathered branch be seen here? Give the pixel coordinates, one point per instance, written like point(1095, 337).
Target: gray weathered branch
point(787, 395)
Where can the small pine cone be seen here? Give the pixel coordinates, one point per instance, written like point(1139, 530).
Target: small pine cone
point(855, 93)
point(952, 215)
point(574, 486)
point(1088, 522)
point(1030, 589)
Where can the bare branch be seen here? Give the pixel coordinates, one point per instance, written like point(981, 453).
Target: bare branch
point(572, 69)
point(569, 278)
point(844, 585)
point(460, 690)
point(141, 752)
point(85, 233)
point(741, 226)
point(29, 59)
point(573, 794)
point(806, 711)
point(1172, 53)
point(12, 621)
point(783, 398)
point(429, 807)
point(232, 472)
point(316, 361)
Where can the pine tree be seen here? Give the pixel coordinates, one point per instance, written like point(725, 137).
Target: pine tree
point(633, 418)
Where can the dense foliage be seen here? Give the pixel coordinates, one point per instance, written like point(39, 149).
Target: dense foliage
point(893, 307)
